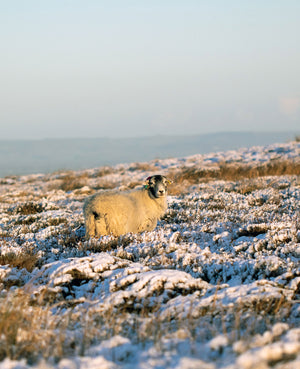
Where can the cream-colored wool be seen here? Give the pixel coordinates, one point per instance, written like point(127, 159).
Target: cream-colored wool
point(118, 213)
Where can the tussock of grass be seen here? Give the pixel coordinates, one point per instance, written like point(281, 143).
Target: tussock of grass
point(27, 259)
point(26, 220)
point(254, 230)
point(29, 330)
point(235, 172)
point(142, 166)
point(71, 182)
point(68, 182)
point(57, 221)
point(104, 171)
point(6, 181)
point(230, 172)
point(106, 244)
point(272, 168)
point(29, 208)
point(68, 238)
point(104, 184)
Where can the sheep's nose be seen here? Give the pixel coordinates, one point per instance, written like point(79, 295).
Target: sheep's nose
point(161, 192)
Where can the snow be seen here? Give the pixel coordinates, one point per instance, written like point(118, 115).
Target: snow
point(215, 285)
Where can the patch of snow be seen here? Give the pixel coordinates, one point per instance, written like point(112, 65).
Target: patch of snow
point(215, 285)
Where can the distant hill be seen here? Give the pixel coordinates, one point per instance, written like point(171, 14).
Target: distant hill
point(19, 157)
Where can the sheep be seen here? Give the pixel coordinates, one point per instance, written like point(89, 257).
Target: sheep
point(117, 213)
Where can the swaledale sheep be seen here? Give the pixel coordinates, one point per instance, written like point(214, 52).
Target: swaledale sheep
point(135, 211)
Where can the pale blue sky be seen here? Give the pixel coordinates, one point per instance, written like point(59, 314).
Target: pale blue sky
point(83, 68)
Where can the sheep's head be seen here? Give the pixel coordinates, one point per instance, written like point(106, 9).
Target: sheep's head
point(157, 185)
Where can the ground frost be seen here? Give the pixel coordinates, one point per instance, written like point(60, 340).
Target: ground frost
point(216, 285)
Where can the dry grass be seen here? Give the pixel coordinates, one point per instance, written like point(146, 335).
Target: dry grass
point(106, 244)
point(56, 221)
point(145, 167)
point(104, 184)
point(29, 208)
point(104, 171)
point(28, 259)
point(26, 220)
point(68, 237)
point(246, 186)
point(69, 182)
point(254, 230)
point(6, 181)
point(30, 331)
point(230, 172)
point(235, 172)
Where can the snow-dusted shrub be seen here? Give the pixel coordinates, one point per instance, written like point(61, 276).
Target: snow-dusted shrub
point(235, 171)
point(28, 260)
point(29, 208)
point(219, 278)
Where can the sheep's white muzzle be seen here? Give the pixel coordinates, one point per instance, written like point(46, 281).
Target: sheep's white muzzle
point(160, 191)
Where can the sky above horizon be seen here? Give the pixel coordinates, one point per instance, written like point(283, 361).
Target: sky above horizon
point(127, 68)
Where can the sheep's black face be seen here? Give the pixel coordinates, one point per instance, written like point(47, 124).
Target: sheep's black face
point(157, 185)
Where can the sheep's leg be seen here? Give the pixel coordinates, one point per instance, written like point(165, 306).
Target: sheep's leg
point(101, 225)
point(90, 226)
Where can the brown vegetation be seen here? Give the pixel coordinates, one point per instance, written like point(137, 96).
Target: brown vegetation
point(230, 172)
point(105, 185)
point(72, 182)
point(104, 171)
point(27, 259)
point(29, 330)
point(29, 208)
point(142, 166)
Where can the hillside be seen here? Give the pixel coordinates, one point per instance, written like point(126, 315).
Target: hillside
point(43, 156)
point(215, 285)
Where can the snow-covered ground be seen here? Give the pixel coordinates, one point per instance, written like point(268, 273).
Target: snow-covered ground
point(216, 285)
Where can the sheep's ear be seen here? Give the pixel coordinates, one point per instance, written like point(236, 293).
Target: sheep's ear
point(146, 183)
point(169, 181)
